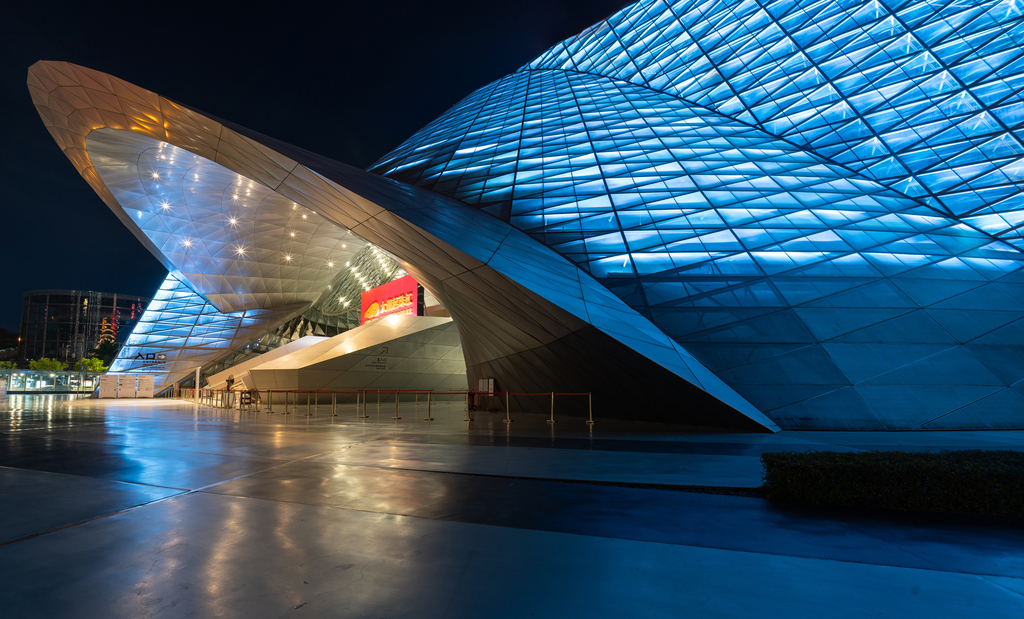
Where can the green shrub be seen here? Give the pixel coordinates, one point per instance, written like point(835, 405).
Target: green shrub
point(48, 364)
point(91, 364)
point(968, 481)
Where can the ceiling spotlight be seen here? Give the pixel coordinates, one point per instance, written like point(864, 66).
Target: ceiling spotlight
point(187, 243)
point(233, 221)
point(330, 264)
point(293, 234)
point(303, 215)
point(288, 258)
point(234, 196)
point(343, 246)
point(241, 251)
point(156, 175)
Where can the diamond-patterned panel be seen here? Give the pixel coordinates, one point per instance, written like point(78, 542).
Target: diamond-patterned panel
point(925, 96)
point(180, 330)
point(753, 252)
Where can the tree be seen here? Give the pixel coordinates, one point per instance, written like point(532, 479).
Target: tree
point(46, 363)
point(91, 364)
point(105, 352)
point(8, 365)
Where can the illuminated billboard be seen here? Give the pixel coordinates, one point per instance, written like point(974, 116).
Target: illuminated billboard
point(402, 296)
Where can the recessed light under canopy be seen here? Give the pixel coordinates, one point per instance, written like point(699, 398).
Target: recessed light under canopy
point(236, 242)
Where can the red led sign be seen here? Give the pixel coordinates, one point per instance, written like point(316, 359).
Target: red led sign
point(401, 296)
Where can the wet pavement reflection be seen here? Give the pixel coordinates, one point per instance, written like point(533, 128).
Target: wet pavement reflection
point(196, 504)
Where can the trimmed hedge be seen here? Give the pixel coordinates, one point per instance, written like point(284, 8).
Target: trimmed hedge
point(969, 481)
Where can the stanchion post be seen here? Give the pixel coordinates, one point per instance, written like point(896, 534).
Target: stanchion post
point(397, 397)
point(590, 407)
point(364, 415)
point(428, 417)
point(307, 403)
point(508, 416)
point(469, 413)
point(334, 403)
point(270, 401)
point(552, 420)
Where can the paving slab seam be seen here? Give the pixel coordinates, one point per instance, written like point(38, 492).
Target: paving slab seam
point(192, 451)
point(271, 468)
point(622, 539)
point(77, 425)
point(172, 450)
point(88, 520)
point(750, 492)
point(154, 501)
point(113, 481)
point(745, 492)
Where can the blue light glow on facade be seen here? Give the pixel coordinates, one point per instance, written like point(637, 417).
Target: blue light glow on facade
point(180, 330)
point(756, 214)
point(819, 200)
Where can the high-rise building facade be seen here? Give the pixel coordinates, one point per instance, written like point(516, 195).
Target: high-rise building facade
point(67, 324)
point(727, 214)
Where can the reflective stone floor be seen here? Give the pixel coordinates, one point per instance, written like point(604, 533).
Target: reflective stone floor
point(164, 509)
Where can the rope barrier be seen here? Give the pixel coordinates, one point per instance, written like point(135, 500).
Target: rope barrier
point(224, 398)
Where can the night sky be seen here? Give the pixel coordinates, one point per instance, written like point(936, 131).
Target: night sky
point(349, 81)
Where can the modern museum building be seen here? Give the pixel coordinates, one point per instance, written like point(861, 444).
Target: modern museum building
point(734, 215)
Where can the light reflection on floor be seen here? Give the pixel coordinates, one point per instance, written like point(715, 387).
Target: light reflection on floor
point(135, 508)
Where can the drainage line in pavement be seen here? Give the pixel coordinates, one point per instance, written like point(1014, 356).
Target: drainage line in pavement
point(162, 499)
point(87, 520)
point(729, 490)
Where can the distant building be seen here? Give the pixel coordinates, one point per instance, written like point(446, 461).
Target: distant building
point(67, 324)
point(8, 345)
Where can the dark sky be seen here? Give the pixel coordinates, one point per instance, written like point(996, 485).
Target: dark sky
point(347, 80)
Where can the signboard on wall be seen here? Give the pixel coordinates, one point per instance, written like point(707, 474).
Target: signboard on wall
point(108, 386)
point(144, 386)
point(402, 296)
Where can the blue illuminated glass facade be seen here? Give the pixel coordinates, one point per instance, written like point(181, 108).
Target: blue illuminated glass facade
point(819, 200)
point(180, 330)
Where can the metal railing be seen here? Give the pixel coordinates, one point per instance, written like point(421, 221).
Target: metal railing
point(291, 399)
